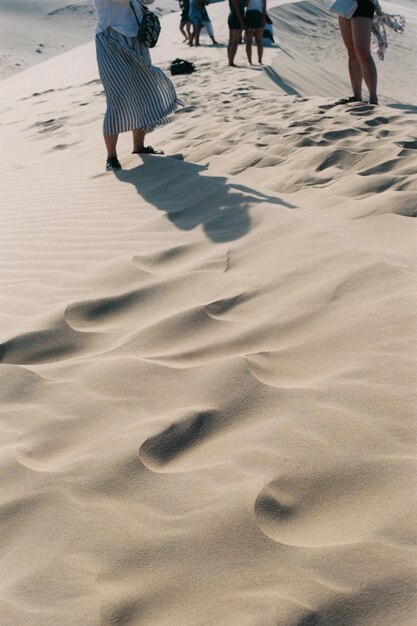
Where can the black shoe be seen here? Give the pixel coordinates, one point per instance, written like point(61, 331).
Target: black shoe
point(147, 150)
point(113, 164)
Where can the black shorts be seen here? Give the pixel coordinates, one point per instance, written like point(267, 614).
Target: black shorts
point(233, 22)
point(253, 19)
point(366, 8)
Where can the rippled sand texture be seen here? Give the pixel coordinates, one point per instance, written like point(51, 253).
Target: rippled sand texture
point(207, 361)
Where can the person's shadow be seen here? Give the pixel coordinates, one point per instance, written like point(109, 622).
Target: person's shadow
point(190, 199)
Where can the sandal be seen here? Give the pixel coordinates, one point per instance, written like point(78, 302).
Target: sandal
point(347, 100)
point(113, 164)
point(147, 150)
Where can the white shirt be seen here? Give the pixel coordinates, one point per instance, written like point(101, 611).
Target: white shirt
point(256, 5)
point(118, 14)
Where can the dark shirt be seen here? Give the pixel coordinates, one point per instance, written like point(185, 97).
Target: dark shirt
point(241, 4)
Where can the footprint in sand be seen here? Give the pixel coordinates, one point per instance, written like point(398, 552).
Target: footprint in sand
point(184, 258)
point(339, 505)
point(409, 145)
point(389, 601)
point(377, 121)
point(63, 146)
point(361, 109)
point(178, 439)
point(51, 125)
point(127, 611)
point(56, 343)
point(332, 135)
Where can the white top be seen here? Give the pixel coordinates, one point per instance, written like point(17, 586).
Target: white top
point(256, 5)
point(118, 14)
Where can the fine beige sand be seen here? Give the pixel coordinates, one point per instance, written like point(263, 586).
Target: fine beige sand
point(35, 30)
point(207, 361)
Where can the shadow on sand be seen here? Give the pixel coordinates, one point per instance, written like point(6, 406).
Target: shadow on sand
point(405, 108)
point(280, 82)
point(191, 199)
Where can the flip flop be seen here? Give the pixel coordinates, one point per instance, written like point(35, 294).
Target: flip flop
point(347, 100)
point(147, 150)
point(350, 100)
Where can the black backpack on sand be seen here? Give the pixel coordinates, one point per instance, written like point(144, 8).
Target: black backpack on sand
point(179, 66)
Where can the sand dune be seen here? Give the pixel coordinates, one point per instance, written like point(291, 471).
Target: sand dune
point(207, 361)
point(33, 30)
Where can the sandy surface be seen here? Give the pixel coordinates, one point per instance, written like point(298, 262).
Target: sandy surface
point(207, 361)
point(35, 30)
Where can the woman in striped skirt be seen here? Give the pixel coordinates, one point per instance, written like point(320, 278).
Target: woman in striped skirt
point(139, 96)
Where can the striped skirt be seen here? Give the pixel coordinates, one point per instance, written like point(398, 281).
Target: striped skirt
point(138, 94)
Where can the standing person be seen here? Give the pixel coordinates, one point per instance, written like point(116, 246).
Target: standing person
point(139, 96)
point(185, 24)
point(356, 35)
point(255, 23)
point(196, 19)
point(236, 22)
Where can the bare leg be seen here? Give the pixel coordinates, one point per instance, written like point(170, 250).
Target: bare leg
point(229, 48)
point(111, 142)
point(197, 30)
point(355, 72)
point(234, 39)
point(258, 37)
point(192, 33)
point(138, 139)
point(183, 30)
point(249, 37)
point(361, 35)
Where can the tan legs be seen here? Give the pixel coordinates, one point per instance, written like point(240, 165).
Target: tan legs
point(250, 34)
point(356, 34)
point(235, 36)
point(138, 139)
point(111, 142)
point(195, 36)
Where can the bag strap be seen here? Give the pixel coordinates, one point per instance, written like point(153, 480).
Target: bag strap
point(134, 12)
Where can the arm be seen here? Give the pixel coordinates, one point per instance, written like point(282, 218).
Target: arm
point(263, 12)
point(238, 15)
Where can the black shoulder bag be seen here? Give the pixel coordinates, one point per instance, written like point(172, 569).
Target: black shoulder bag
point(149, 28)
point(179, 66)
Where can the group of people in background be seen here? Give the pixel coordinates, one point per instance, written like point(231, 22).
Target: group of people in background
point(246, 16)
point(194, 18)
